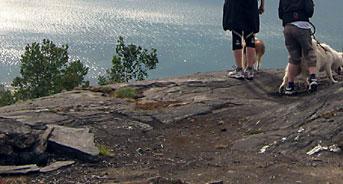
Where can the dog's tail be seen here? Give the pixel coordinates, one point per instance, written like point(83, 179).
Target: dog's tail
point(260, 50)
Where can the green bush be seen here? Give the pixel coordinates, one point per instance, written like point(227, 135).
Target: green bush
point(6, 98)
point(45, 70)
point(130, 62)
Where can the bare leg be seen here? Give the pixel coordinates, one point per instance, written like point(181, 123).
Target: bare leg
point(312, 70)
point(293, 71)
point(238, 54)
point(251, 56)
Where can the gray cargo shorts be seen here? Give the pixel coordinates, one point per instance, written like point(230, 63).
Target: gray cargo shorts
point(299, 44)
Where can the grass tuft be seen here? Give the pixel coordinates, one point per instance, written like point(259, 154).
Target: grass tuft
point(126, 92)
point(104, 151)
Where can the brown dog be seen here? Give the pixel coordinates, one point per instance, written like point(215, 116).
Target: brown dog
point(260, 50)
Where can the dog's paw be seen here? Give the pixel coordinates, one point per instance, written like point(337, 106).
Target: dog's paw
point(282, 90)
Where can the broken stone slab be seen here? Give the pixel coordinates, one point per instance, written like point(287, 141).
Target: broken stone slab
point(43, 141)
point(75, 142)
point(16, 133)
point(21, 143)
point(24, 169)
point(56, 165)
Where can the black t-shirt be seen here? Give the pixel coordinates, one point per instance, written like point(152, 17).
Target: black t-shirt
point(241, 15)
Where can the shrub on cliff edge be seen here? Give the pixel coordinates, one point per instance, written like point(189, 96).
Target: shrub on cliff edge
point(6, 97)
point(131, 62)
point(45, 70)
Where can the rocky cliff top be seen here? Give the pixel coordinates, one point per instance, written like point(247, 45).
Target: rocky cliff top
point(200, 128)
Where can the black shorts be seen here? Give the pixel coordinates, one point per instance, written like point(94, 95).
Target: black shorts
point(249, 38)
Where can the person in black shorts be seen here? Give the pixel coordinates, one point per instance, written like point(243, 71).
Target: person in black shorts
point(242, 18)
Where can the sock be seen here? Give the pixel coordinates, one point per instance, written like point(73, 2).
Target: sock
point(291, 85)
point(312, 76)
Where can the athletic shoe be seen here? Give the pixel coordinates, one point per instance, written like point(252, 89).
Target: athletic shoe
point(237, 74)
point(249, 73)
point(313, 85)
point(290, 90)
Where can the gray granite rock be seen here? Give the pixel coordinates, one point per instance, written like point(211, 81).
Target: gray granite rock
point(273, 120)
point(55, 166)
point(77, 142)
point(24, 169)
point(21, 143)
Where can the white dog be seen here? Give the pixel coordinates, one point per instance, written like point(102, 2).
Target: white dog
point(328, 60)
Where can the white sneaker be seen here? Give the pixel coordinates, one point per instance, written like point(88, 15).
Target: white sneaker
point(290, 91)
point(237, 74)
point(249, 73)
point(313, 85)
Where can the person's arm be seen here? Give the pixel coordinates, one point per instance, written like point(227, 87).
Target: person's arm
point(309, 8)
point(261, 8)
point(280, 11)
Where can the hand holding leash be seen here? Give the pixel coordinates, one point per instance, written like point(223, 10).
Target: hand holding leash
point(261, 8)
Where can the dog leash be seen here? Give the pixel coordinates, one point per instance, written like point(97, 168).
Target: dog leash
point(314, 37)
point(239, 35)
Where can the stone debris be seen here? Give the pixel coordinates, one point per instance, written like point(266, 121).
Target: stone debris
point(25, 169)
point(301, 129)
point(333, 148)
point(56, 165)
point(140, 151)
point(264, 149)
point(23, 143)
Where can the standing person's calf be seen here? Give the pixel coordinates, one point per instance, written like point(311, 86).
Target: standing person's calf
point(260, 50)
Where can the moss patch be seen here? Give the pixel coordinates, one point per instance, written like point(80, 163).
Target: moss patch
point(125, 92)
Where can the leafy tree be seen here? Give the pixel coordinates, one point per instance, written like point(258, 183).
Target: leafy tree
point(74, 75)
point(45, 70)
point(131, 62)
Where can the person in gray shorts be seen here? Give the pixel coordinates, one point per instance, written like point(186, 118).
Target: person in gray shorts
point(295, 15)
